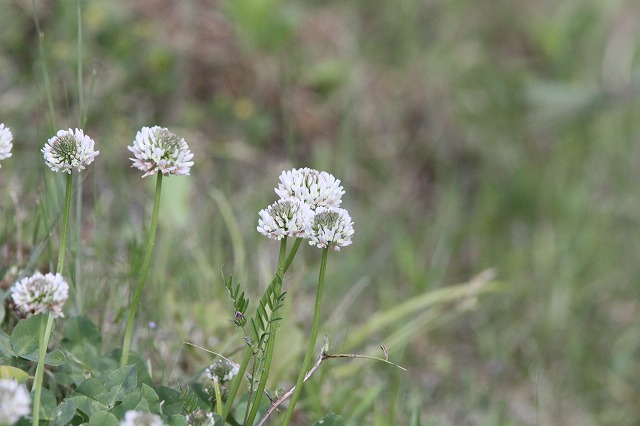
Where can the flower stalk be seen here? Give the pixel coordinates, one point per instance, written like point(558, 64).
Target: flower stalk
point(143, 274)
point(37, 383)
point(271, 342)
point(312, 338)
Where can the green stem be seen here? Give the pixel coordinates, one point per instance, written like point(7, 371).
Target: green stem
point(233, 391)
point(292, 254)
point(271, 342)
point(312, 339)
point(65, 224)
point(126, 346)
point(37, 384)
point(236, 382)
point(216, 387)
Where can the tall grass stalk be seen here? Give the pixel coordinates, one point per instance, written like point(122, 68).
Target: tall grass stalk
point(312, 338)
point(151, 239)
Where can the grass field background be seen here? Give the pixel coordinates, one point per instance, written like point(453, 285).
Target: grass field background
point(468, 136)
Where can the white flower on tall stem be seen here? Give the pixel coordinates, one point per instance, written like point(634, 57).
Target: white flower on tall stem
point(40, 294)
point(222, 371)
point(69, 149)
point(331, 227)
point(6, 137)
point(141, 418)
point(157, 149)
point(287, 217)
point(15, 401)
point(318, 189)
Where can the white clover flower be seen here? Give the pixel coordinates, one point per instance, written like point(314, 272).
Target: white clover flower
point(69, 149)
point(287, 217)
point(331, 227)
point(222, 371)
point(141, 418)
point(318, 189)
point(157, 149)
point(15, 401)
point(5, 142)
point(40, 294)
point(200, 418)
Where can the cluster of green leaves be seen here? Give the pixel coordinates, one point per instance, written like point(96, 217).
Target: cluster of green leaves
point(90, 386)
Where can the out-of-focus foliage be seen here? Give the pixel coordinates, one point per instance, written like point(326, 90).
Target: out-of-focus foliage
point(469, 134)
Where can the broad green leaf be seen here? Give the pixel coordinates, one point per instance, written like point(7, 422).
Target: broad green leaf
point(10, 372)
point(179, 420)
point(63, 413)
point(141, 399)
point(330, 420)
point(25, 340)
point(6, 351)
point(171, 400)
point(90, 397)
point(138, 361)
point(82, 338)
point(103, 418)
point(121, 382)
point(47, 404)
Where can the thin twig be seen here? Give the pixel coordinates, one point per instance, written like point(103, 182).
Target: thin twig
point(323, 357)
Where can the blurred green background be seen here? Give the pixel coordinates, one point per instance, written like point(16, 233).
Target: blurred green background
point(468, 135)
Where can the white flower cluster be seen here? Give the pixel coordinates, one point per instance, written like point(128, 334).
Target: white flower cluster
point(69, 149)
point(309, 207)
point(141, 418)
point(287, 217)
point(200, 418)
point(15, 401)
point(157, 149)
point(40, 294)
point(6, 137)
point(222, 371)
point(317, 189)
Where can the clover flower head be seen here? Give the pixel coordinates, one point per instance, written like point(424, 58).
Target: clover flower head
point(200, 418)
point(6, 137)
point(157, 149)
point(69, 149)
point(287, 217)
point(331, 227)
point(222, 371)
point(318, 189)
point(40, 294)
point(141, 418)
point(15, 401)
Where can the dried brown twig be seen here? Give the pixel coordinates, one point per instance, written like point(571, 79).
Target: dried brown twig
point(323, 357)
